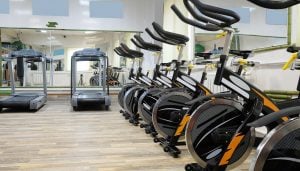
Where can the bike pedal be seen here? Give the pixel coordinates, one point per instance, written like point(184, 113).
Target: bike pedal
point(180, 143)
point(173, 151)
point(194, 167)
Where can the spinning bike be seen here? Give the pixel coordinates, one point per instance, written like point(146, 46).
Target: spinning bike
point(220, 133)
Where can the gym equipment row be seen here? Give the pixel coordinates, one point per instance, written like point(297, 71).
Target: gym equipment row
point(79, 98)
point(219, 128)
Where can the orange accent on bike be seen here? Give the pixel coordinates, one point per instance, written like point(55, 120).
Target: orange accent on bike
point(182, 125)
point(207, 92)
point(268, 103)
point(231, 149)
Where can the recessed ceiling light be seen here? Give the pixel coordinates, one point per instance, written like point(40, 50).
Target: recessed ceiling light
point(84, 2)
point(23, 12)
point(90, 32)
point(51, 38)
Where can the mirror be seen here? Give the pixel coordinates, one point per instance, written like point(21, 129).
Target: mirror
point(258, 28)
point(59, 46)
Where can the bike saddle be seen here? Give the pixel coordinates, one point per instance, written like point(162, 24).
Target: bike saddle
point(116, 68)
point(183, 62)
point(293, 49)
point(134, 53)
point(203, 55)
point(177, 38)
point(205, 62)
point(242, 53)
point(147, 45)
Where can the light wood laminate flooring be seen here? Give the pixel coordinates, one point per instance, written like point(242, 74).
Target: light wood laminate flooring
point(59, 139)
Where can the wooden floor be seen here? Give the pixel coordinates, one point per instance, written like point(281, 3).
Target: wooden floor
point(56, 138)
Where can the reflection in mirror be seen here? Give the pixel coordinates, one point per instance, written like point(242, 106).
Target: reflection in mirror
point(59, 46)
point(259, 28)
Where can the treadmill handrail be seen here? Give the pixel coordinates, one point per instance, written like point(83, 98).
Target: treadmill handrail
point(99, 58)
point(12, 78)
point(26, 53)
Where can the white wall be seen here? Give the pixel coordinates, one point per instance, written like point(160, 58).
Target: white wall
point(267, 74)
point(174, 24)
point(296, 25)
point(137, 14)
point(272, 76)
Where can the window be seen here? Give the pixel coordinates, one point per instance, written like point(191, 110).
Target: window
point(50, 7)
point(4, 6)
point(106, 9)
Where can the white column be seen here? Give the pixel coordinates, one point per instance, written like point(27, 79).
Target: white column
point(174, 24)
point(116, 58)
point(296, 28)
point(295, 25)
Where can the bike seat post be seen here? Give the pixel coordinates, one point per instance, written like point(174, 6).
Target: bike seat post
point(180, 55)
point(178, 62)
point(159, 57)
point(224, 56)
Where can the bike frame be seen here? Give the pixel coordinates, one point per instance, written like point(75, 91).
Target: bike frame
point(256, 100)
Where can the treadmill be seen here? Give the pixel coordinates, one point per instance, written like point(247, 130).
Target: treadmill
point(25, 101)
point(90, 98)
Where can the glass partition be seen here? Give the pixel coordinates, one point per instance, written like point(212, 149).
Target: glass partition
point(59, 46)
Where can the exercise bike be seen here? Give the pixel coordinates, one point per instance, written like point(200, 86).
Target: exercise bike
point(220, 133)
point(132, 94)
point(131, 77)
point(169, 114)
point(159, 80)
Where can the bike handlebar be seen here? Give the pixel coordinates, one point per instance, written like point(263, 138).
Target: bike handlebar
point(226, 16)
point(295, 55)
point(209, 27)
point(137, 44)
point(213, 18)
point(290, 61)
point(158, 39)
point(275, 4)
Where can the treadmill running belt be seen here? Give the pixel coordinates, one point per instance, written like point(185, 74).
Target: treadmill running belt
point(17, 102)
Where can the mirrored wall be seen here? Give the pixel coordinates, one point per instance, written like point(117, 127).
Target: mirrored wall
point(258, 29)
point(59, 46)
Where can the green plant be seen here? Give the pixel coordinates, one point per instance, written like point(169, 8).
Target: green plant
point(18, 45)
